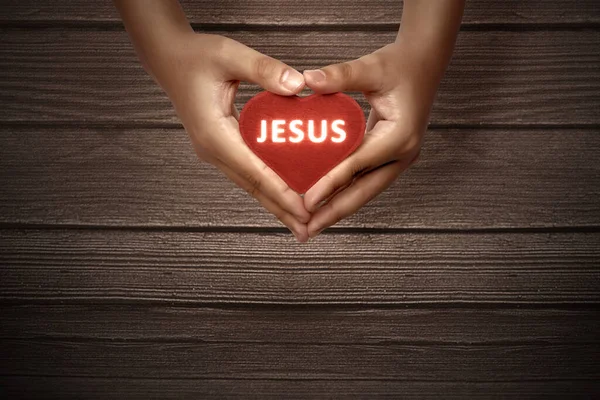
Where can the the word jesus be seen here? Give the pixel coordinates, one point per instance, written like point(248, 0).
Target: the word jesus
point(296, 134)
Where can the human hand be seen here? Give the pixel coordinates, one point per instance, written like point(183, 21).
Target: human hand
point(400, 82)
point(200, 73)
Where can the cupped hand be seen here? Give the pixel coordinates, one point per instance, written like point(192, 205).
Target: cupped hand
point(400, 83)
point(200, 73)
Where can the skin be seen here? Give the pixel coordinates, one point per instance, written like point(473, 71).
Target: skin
point(399, 81)
point(201, 72)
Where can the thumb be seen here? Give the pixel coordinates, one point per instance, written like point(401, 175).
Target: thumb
point(240, 62)
point(360, 75)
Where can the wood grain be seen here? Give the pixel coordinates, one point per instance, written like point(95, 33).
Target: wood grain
point(103, 388)
point(116, 359)
point(121, 266)
point(281, 325)
point(309, 12)
point(465, 179)
point(140, 388)
point(130, 270)
point(496, 78)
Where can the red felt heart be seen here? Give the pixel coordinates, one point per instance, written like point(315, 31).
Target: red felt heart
point(301, 160)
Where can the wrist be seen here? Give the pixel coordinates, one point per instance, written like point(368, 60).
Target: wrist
point(413, 75)
point(417, 71)
point(168, 61)
point(428, 61)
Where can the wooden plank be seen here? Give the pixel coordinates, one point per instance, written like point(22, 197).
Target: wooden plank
point(122, 266)
point(116, 359)
point(496, 78)
point(309, 12)
point(172, 328)
point(465, 179)
point(128, 388)
point(280, 325)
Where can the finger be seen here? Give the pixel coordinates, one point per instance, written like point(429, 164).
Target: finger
point(364, 74)
point(355, 196)
point(296, 227)
point(375, 150)
point(299, 229)
point(231, 150)
point(371, 121)
point(263, 179)
point(243, 63)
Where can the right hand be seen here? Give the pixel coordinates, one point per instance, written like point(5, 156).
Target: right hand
point(200, 73)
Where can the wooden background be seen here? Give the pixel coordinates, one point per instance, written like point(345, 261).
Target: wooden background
point(128, 269)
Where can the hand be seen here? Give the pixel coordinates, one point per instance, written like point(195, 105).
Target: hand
point(201, 73)
point(399, 81)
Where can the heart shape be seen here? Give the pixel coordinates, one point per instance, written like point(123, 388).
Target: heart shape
point(278, 129)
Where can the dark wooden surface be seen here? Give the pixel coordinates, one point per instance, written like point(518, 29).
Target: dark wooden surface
point(497, 78)
point(466, 179)
point(361, 268)
point(128, 269)
point(372, 13)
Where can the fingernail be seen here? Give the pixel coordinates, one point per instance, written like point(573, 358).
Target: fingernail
point(316, 75)
point(315, 206)
point(291, 80)
point(297, 236)
point(319, 204)
point(315, 234)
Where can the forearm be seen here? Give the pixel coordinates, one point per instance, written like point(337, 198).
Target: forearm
point(153, 26)
point(429, 29)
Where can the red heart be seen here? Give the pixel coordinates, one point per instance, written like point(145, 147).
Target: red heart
point(301, 163)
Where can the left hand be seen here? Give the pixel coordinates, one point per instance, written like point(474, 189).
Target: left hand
point(399, 81)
